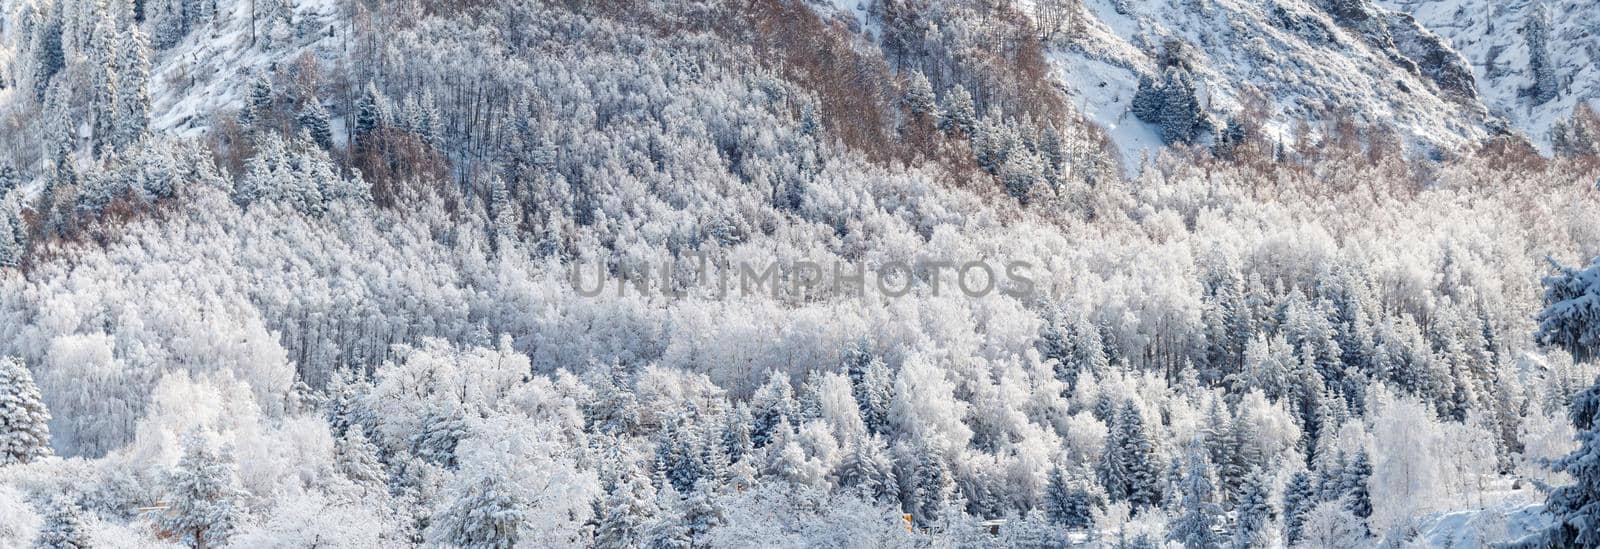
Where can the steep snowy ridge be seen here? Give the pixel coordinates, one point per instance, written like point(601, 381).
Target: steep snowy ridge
point(1307, 63)
point(209, 70)
point(1494, 37)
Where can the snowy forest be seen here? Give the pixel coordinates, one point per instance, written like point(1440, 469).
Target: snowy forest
point(297, 274)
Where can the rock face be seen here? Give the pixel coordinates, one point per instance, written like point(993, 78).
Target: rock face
point(1533, 62)
point(1433, 57)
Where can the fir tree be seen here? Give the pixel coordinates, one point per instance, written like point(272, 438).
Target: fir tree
point(1196, 526)
point(1299, 497)
point(1067, 503)
point(919, 98)
point(24, 421)
point(1571, 316)
point(959, 112)
point(257, 110)
point(1127, 468)
point(1254, 511)
point(63, 528)
point(931, 487)
point(487, 515)
point(357, 459)
point(627, 511)
point(201, 496)
point(442, 428)
point(869, 470)
point(314, 120)
point(1576, 506)
point(773, 406)
point(133, 80)
point(1358, 498)
point(369, 112)
point(1537, 33)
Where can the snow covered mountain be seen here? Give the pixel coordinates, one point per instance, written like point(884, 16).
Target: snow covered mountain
point(1442, 74)
point(1503, 39)
point(797, 273)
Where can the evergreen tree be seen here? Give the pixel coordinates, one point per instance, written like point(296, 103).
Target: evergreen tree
point(105, 110)
point(869, 470)
point(627, 511)
point(201, 496)
point(919, 98)
point(1148, 100)
point(1254, 511)
point(1127, 468)
point(486, 515)
point(1196, 527)
point(1571, 316)
point(24, 421)
point(702, 512)
point(133, 80)
point(736, 441)
point(357, 459)
point(1299, 498)
point(773, 406)
point(369, 112)
point(1576, 506)
point(1066, 503)
point(959, 111)
point(874, 393)
point(257, 111)
point(1358, 497)
point(1536, 31)
point(931, 488)
point(49, 55)
point(314, 120)
point(442, 428)
point(63, 528)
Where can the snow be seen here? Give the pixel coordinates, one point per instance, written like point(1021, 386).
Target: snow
point(1488, 33)
point(210, 69)
point(1240, 50)
point(1102, 92)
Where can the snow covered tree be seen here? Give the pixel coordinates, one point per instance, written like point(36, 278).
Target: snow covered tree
point(1148, 99)
point(774, 408)
point(1299, 497)
point(1068, 503)
point(1329, 524)
point(369, 112)
point(1253, 511)
point(202, 497)
point(24, 421)
point(1128, 468)
point(133, 87)
point(487, 514)
point(313, 118)
point(959, 113)
point(869, 470)
point(257, 109)
point(919, 98)
point(442, 429)
point(627, 511)
point(1197, 525)
point(1032, 531)
point(357, 459)
point(63, 528)
point(873, 388)
point(1171, 104)
point(1571, 316)
point(1536, 31)
point(930, 487)
point(1357, 497)
point(1576, 506)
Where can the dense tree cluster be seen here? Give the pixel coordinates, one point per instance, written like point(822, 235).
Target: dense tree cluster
point(344, 317)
